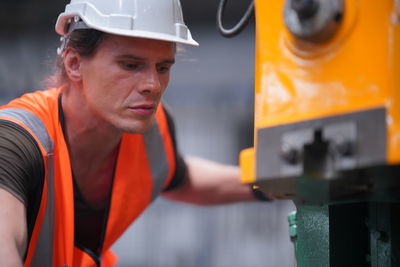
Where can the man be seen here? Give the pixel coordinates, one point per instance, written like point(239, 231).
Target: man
point(79, 163)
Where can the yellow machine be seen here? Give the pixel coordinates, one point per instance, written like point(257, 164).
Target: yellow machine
point(355, 70)
point(327, 126)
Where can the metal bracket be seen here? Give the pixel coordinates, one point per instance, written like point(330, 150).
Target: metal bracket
point(322, 147)
point(340, 138)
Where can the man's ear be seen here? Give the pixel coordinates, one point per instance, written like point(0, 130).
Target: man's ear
point(72, 65)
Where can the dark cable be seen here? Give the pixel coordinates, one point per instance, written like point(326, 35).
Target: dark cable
point(238, 28)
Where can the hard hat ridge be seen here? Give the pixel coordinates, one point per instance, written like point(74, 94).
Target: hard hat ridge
point(154, 19)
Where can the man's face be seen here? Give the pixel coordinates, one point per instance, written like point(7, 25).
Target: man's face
point(124, 81)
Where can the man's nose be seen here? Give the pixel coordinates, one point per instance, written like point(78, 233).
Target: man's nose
point(151, 82)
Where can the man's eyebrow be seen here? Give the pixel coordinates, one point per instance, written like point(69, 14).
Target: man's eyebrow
point(168, 61)
point(134, 57)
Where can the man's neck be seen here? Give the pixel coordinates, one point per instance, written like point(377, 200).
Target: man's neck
point(85, 133)
point(93, 147)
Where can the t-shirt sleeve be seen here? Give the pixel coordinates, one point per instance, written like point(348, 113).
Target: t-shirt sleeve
point(180, 169)
point(20, 161)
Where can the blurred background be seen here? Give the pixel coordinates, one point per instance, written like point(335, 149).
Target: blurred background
point(211, 97)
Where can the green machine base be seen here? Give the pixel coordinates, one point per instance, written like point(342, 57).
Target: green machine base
point(352, 221)
point(354, 234)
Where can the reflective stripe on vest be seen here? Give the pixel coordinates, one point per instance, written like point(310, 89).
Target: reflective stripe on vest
point(156, 155)
point(31, 121)
point(157, 159)
point(43, 255)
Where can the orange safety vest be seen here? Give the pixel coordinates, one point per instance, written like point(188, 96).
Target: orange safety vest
point(145, 165)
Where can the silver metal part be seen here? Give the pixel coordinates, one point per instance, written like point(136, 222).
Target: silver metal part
point(313, 20)
point(322, 147)
point(396, 12)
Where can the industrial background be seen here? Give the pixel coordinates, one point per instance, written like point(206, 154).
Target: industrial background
point(211, 96)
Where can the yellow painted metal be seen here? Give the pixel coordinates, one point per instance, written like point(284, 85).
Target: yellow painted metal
point(247, 167)
point(359, 68)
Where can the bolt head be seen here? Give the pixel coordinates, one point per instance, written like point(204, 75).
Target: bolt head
point(290, 154)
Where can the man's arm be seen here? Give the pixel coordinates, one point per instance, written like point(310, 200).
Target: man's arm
point(13, 230)
point(21, 182)
point(210, 183)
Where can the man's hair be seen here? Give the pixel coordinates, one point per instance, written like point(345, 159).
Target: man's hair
point(85, 42)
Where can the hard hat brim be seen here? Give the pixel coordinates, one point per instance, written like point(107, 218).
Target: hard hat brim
point(64, 18)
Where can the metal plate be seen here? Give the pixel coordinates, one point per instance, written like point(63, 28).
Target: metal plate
point(365, 130)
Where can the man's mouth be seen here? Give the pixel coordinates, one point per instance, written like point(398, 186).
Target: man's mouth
point(144, 109)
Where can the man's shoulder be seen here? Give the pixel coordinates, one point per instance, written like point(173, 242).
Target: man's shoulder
point(36, 112)
point(42, 103)
point(40, 98)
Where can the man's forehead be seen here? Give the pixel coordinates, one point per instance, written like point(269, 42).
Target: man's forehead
point(169, 60)
point(139, 47)
point(138, 41)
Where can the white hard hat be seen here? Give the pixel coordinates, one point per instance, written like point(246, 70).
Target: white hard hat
point(154, 19)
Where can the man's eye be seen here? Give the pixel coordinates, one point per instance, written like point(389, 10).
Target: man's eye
point(129, 66)
point(163, 69)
